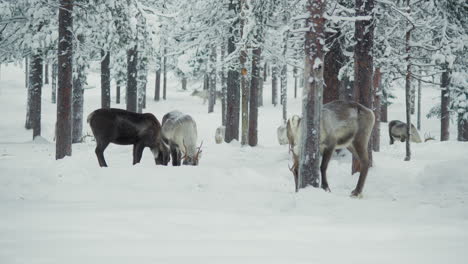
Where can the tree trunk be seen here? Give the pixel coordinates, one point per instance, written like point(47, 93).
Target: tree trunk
point(164, 75)
point(244, 80)
point(157, 85)
point(132, 62)
point(377, 94)
point(78, 94)
point(184, 83)
point(28, 122)
point(26, 73)
point(413, 99)
point(408, 89)
point(254, 88)
point(334, 60)
point(445, 103)
point(295, 81)
point(54, 83)
point(462, 128)
point(312, 104)
point(105, 80)
point(223, 86)
point(274, 84)
point(64, 98)
point(419, 105)
point(212, 79)
point(233, 93)
point(265, 69)
point(117, 93)
point(384, 111)
point(363, 63)
point(284, 91)
point(260, 84)
point(142, 69)
point(46, 74)
point(36, 87)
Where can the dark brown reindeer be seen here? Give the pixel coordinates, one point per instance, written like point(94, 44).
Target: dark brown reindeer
point(342, 125)
point(122, 127)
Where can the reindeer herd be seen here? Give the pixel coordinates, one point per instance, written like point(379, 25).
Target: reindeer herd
point(343, 125)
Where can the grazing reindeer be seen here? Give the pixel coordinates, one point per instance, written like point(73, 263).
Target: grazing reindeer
point(181, 132)
point(128, 128)
point(397, 130)
point(343, 125)
point(219, 135)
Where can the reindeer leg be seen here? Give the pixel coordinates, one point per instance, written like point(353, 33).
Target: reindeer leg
point(137, 152)
point(175, 155)
point(327, 153)
point(364, 168)
point(100, 147)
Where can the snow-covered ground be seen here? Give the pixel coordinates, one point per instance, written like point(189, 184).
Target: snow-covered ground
point(237, 206)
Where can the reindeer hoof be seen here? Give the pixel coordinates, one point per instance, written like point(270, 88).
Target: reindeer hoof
point(326, 188)
point(356, 194)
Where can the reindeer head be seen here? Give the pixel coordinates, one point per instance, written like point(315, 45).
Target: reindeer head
point(295, 167)
point(163, 155)
point(192, 160)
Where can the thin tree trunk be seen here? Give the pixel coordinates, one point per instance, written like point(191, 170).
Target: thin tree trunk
point(105, 80)
point(384, 109)
point(245, 98)
point(265, 69)
point(212, 80)
point(223, 86)
point(78, 98)
point(260, 84)
point(377, 94)
point(419, 105)
point(363, 63)
point(46, 74)
point(462, 128)
point(164, 75)
point(312, 104)
point(28, 123)
point(206, 81)
point(284, 91)
point(26, 72)
point(157, 85)
point(64, 98)
point(117, 93)
point(132, 62)
point(142, 68)
point(184, 83)
point(254, 88)
point(445, 103)
point(54, 83)
point(36, 85)
point(408, 89)
point(295, 81)
point(274, 84)
point(413, 99)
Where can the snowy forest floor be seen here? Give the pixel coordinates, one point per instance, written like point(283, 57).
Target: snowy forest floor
point(237, 206)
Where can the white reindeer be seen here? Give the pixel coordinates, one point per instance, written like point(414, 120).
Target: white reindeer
point(180, 130)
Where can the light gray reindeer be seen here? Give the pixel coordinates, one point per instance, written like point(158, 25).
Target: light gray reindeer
point(180, 130)
point(343, 125)
point(397, 130)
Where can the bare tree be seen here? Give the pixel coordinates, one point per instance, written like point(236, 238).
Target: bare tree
point(132, 62)
point(36, 92)
point(105, 79)
point(64, 98)
point(312, 105)
point(363, 62)
point(54, 83)
point(445, 103)
point(410, 28)
point(157, 86)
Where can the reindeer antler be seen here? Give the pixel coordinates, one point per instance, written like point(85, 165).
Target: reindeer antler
point(427, 137)
point(199, 150)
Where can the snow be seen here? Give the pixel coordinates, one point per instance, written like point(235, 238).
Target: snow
point(237, 206)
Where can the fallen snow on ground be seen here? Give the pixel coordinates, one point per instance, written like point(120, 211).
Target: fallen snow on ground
point(238, 206)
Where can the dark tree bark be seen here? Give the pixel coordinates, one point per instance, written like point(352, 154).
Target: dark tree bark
point(413, 99)
point(445, 103)
point(28, 122)
point(78, 99)
point(244, 81)
point(206, 81)
point(26, 72)
point(419, 106)
point(132, 62)
point(363, 62)
point(260, 85)
point(462, 128)
point(284, 91)
point(36, 85)
point(233, 85)
point(105, 79)
point(157, 85)
point(64, 98)
point(164, 75)
point(223, 86)
point(312, 105)
point(254, 88)
point(46, 74)
point(184, 83)
point(265, 69)
point(54, 83)
point(384, 110)
point(274, 84)
point(295, 81)
point(212, 79)
point(334, 60)
point(142, 69)
point(377, 94)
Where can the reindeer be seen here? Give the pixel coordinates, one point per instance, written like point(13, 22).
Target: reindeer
point(122, 127)
point(343, 125)
point(282, 135)
point(219, 134)
point(181, 132)
point(397, 130)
